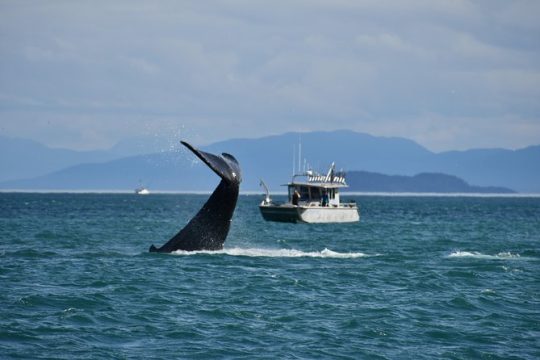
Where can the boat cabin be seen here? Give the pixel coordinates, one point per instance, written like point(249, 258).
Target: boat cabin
point(317, 190)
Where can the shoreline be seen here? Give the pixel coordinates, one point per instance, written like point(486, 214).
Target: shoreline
point(260, 193)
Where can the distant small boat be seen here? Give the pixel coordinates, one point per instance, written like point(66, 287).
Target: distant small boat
point(313, 198)
point(142, 191)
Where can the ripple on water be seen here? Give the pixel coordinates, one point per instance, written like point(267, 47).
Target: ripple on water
point(418, 278)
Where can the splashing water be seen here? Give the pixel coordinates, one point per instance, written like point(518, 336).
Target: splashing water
point(285, 253)
point(479, 255)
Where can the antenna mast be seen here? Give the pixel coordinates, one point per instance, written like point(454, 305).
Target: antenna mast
point(299, 155)
point(293, 159)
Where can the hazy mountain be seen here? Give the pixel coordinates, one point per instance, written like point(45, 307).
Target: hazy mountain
point(425, 182)
point(164, 171)
point(21, 158)
point(271, 158)
point(516, 169)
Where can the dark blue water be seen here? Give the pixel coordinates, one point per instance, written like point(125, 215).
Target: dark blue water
point(416, 278)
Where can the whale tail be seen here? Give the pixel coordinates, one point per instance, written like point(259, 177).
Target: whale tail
point(225, 166)
point(209, 228)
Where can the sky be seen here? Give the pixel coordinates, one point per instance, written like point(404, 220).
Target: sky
point(450, 75)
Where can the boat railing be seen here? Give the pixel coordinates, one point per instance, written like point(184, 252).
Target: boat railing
point(319, 180)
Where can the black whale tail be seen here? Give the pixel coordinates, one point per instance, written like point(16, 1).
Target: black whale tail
point(225, 166)
point(209, 228)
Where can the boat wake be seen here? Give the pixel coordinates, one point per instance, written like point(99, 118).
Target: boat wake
point(283, 253)
point(478, 255)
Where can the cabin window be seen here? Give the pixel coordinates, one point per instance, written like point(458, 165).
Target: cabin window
point(315, 194)
point(304, 192)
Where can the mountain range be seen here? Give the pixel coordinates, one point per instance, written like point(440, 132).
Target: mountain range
point(364, 181)
point(28, 165)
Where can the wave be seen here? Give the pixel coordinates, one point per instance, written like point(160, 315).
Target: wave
point(283, 253)
point(478, 255)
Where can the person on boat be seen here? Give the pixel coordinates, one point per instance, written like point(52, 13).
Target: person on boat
point(295, 197)
point(324, 199)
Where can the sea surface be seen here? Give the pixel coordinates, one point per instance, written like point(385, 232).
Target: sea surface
point(416, 278)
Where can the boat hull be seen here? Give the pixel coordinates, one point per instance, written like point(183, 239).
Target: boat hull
point(279, 213)
point(310, 214)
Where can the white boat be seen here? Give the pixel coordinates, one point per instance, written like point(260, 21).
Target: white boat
point(312, 198)
point(142, 191)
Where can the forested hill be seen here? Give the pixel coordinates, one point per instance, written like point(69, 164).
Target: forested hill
point(364, 181)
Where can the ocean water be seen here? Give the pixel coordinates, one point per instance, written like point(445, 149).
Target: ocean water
point(416, 278)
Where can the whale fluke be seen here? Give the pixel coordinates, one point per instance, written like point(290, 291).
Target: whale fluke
point(209, 228)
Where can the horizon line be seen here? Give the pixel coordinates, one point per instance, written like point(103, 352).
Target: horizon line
point(253, 193)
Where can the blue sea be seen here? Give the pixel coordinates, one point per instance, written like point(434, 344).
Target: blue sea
point(419, 277)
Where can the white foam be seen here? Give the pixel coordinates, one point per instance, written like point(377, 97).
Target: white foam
point(284, 253)
point(478, 255)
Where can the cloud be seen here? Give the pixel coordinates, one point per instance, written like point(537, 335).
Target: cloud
point(225, 69)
